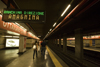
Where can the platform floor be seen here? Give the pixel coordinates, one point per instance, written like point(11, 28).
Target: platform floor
point(7, 56)
point(10, 58)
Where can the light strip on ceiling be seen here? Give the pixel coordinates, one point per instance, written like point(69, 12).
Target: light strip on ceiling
point(6, 36)
point(33, 35)
point(17, 23)
point(10, 32)
point(39, 36)
point(50, 29)
point(20, 26)
point(61, 15)
point(54, 24)
point(15, 36)
point(65, 10)
point(0, 12)
point(1, 15)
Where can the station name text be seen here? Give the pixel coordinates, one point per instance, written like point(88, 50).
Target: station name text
point(23, 15)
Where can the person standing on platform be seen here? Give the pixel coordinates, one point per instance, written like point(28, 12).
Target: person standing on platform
point(43, 48)
point(35, 48)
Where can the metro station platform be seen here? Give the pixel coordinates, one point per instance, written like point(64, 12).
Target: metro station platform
point(10, 58)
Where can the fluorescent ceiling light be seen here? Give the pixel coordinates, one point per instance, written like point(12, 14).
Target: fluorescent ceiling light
point(13, 33)
point(17, 23)
point(65, 10)
point(39, 36)
point(15, 36)
point(50, 29)
point(20, 26)
point(54, 24)
point(6, 36)
point(11, 36)
point(1, 15)
point(0, 12)
point(33, 34)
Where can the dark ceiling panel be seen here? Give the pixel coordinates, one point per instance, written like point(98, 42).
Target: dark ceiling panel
point(31, 4)
point(38, 28)
point(88, 20)
point(53, 9)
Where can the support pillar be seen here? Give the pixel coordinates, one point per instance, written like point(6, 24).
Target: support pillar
point(55, 42)
point(22, 44)
point(49, 42)
point(79, 44)
point(52, 42)
point(64, 43)
point(60, 42)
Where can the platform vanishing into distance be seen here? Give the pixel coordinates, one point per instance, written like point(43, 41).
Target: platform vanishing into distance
point(26, 60)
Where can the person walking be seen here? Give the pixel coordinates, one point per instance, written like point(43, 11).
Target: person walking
point(43, 48)
point(35, 48)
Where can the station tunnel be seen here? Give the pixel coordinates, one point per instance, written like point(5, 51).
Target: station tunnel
point(70, 29)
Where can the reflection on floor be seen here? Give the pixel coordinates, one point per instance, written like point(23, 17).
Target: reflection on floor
point(7, 56)
point(10, 58)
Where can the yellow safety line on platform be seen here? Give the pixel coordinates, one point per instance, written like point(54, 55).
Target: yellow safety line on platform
point(55, 61)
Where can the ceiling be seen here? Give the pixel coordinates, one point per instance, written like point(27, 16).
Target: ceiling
point(54, 8)
point(88, 21)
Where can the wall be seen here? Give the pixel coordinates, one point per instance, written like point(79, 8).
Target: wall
point(70, 42)
point(57, 41)
point(2, 42)
point(61, 41)
point(29, 42)
point(86, 43)
point(97, 43)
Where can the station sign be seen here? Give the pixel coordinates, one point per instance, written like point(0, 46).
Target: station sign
point(10, 15)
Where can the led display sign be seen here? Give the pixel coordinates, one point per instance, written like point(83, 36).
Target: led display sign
point(23, 15)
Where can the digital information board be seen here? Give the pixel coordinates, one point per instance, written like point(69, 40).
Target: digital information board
point(23, 15)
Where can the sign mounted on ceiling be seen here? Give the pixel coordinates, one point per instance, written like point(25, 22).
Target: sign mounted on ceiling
point(13, 15)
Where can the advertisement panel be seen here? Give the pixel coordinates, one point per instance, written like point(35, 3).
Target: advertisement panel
point(12, 42)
